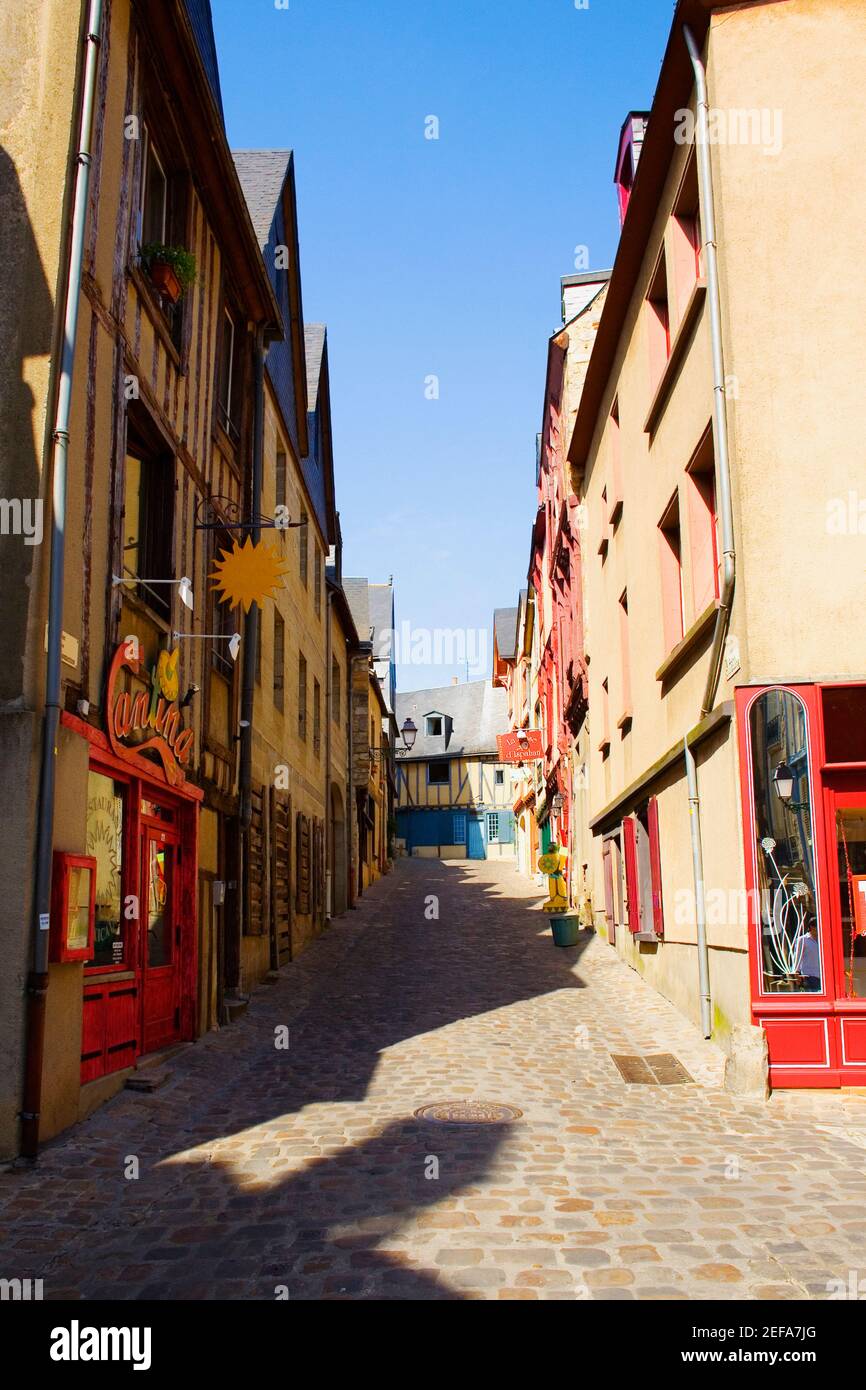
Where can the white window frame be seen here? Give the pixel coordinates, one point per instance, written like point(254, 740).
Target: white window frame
point(492, 819)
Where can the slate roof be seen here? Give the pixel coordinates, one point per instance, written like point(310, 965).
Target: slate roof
point(356, 594)
point(314, 346)
point(505, 632)
point(475, 713)
point(201, 23)
point(372, 606)
point(262, 174)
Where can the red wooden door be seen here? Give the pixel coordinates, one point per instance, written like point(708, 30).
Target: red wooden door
point(161, 938)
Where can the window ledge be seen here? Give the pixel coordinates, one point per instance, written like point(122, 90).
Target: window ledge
point(624, 719)
point(687, 645)
point(676, 355)
point(604, 746)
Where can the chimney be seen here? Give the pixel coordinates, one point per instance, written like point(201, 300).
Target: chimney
point(455, 680)
point(631, 139)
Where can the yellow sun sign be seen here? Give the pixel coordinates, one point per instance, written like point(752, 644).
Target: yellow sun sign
point(248, 573)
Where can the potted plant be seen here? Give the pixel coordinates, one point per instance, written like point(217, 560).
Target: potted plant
point(171, 269)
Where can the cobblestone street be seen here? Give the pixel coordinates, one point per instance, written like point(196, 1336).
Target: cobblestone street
point(305, 1171)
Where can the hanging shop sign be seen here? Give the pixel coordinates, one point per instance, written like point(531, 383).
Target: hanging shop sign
point(520, 746)
point(148, 722)
point(248, 574)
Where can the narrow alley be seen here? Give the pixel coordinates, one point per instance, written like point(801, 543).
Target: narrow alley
point(260, 1171)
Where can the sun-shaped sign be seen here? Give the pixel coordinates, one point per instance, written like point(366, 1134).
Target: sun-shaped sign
point(248, 573)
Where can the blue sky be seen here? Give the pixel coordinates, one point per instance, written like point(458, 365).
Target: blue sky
point(441, 257)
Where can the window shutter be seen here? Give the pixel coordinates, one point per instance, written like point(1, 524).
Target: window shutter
point(655, 866)
point(506, 827)
point(607, 861)
point(630, 853)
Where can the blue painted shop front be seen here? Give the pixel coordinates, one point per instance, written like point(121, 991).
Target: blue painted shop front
point(422, 828)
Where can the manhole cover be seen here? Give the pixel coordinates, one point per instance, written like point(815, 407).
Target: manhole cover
point(468, 1112)
point(660, 1069)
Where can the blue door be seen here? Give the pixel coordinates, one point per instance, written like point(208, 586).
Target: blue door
point(476, 838)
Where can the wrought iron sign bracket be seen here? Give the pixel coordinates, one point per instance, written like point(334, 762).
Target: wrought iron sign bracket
point(224, 508)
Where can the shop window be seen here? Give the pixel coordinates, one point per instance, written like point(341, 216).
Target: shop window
point(703, 525)
point(787, 906)
point(279, 660)
point(148, 511)
point(302, 696)
point(317, 718)
point(438, 774)
point(671, 564)
point(658, 323)
point(844, 712)
point(104, 841)
point(228, 377)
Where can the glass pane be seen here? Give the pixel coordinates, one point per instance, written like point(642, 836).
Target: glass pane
point(845, 723)
point(784, 850)
point(159, 902)
point(104, 838)
point(153, 808)
point(851, 847)
point(78, 923)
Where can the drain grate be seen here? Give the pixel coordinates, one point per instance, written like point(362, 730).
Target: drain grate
point(468, 1112)
point(657, 1069)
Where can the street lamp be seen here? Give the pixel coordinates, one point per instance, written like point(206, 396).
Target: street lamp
point(409, 733)
point(783, 781)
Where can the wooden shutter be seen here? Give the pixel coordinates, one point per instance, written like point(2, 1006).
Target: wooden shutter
point(257, 913)
point(655, 865)
point(630, 853)
point(281, 875)
point(302, 865)
point(607, 862)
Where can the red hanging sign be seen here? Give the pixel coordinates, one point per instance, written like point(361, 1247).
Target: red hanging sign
point(520, 746)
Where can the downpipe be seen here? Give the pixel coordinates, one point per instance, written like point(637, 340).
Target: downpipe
point(37, 984)
point(706, 198)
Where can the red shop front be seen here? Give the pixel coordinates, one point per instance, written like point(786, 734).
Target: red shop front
point(142, 830)
point(803, 775)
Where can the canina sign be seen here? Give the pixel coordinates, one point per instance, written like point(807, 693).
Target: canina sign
point(154, 714)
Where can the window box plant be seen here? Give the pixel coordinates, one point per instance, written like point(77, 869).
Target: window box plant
point(171, 269)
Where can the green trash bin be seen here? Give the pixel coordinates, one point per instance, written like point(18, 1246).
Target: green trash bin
point(566, 928)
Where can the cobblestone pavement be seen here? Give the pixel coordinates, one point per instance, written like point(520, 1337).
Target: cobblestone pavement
point(303, 1172)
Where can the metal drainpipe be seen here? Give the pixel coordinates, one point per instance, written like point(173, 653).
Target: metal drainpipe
point(251, 626)
point(37, 985)
point(248, 682)
point(723, 490)
point(330, 887)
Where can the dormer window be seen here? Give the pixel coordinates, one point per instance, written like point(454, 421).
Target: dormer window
point(630, 142)
point(434, 725)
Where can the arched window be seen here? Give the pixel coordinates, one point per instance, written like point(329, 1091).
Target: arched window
point(787, 908)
